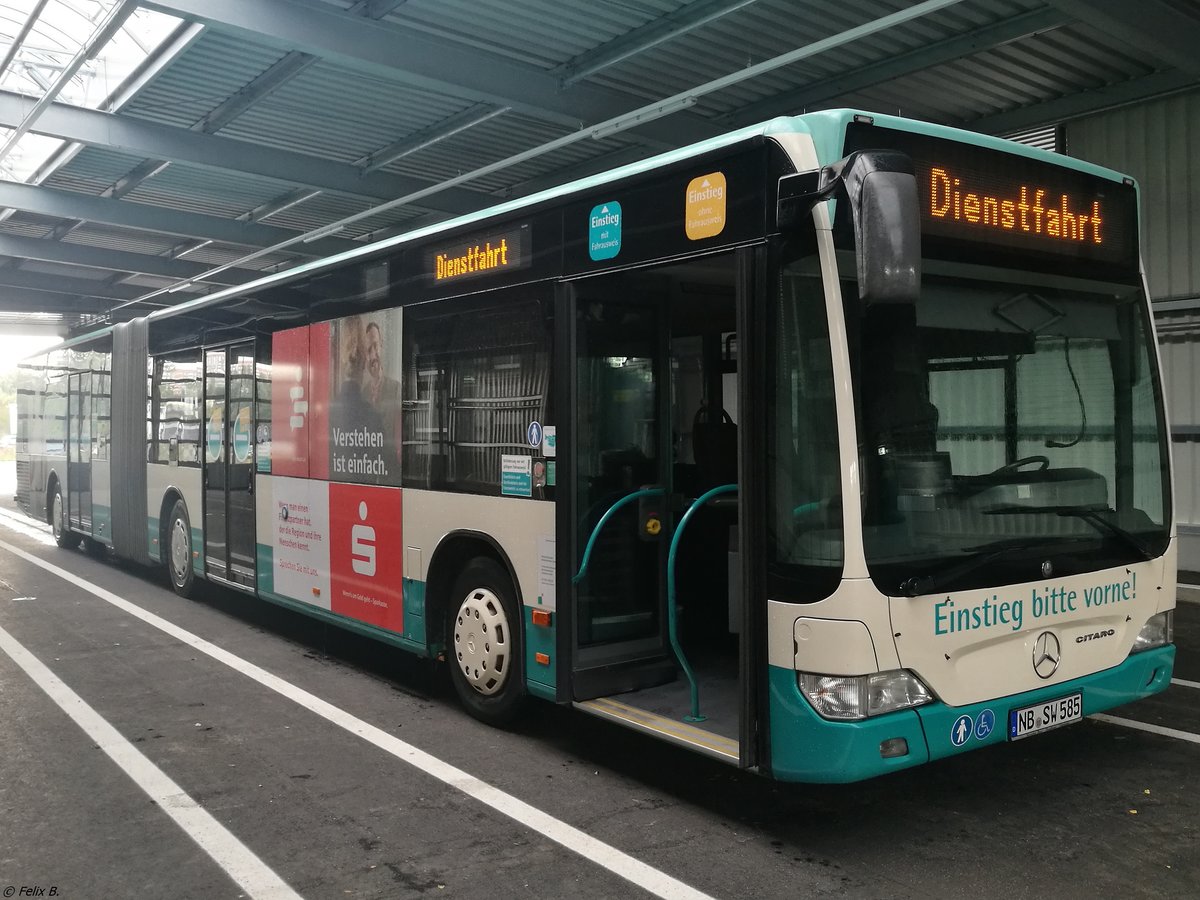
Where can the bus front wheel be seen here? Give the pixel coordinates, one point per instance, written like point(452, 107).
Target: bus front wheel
point(63, 535)
point(483, 643)
point(179, 551)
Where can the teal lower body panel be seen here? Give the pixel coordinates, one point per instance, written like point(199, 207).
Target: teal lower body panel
point(265, 560)
point(412, 638)
point(540, 676)
point(1139, 676)
point(414, 611)
point(102, 523)
point(805, 747)
point(346, 622)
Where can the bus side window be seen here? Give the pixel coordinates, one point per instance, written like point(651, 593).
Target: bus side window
point(476, 376)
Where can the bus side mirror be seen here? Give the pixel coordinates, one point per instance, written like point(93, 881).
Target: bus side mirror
point(881, 190)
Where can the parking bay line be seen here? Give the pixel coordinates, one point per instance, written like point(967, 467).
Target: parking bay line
point(239, 862)
point(1146, 726)
point(1182, 683)
point(616, 861)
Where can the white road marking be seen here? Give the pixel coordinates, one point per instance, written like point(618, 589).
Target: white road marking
point(1182, 683)
point(1145, 726)
point(253, 875)
point(616, 861)
point(26, 526)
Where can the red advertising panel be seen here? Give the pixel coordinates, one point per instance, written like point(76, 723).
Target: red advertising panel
point(318, 363)
point(291, 402)
point(366, 554)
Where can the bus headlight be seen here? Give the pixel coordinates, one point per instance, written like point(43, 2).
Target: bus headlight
point(850, 697)
point(1157, 631)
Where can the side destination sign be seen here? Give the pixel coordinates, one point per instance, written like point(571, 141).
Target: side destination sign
point(478, 255)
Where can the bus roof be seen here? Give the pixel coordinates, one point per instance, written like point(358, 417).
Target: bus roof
point(826, 127)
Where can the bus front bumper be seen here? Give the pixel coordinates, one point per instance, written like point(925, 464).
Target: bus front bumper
point(807, 748)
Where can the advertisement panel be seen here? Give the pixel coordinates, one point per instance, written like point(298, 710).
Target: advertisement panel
point(290, 402)
point(300, 540)
point(366, 554)
point(319, 375)
point(364, 372)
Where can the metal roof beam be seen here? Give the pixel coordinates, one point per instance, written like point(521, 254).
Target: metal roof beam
point(113, 260)
point(19, 300)
point(399, 54)
point(163, 142)
point(1083, 103)
point(19, 41)
point(265, 84)
point(104, 32)
point(1156, 27)
point(977, 41)
point(72, 205)
point(658, 31)
point(427, 137)
point(44, 282)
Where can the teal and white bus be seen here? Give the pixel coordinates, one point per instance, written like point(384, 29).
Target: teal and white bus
point(827, 448)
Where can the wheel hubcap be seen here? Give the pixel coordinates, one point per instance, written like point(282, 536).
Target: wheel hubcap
point(180, 551)
point(56, 516)
point(481, 645)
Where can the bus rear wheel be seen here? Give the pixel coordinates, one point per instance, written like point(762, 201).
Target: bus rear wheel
point(179, 550)
point(63, 535)
point(483, 643)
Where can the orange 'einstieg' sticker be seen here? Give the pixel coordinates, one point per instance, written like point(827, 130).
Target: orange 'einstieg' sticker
point(704, 212)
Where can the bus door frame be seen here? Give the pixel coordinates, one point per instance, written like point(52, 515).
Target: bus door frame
point(623, 654)
point(751, 284)
point(77, 490)
point(241, 525)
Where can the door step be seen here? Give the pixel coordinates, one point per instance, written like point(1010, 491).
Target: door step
point(676, 732)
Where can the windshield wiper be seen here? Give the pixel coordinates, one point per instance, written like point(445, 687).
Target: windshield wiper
point(934, 581)
point(1090, 514)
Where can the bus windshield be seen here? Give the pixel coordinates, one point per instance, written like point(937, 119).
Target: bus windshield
point(1009, 429)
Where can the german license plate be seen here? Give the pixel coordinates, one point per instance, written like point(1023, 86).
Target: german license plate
point(1043, 716)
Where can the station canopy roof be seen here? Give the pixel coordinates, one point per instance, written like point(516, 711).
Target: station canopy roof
point(158, 150)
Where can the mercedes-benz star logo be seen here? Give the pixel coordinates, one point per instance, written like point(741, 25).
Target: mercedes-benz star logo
point(1046, 654)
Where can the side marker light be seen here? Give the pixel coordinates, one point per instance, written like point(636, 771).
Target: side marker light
point(893, 747)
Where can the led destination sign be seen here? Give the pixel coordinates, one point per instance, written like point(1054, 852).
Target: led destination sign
point(1032, 210)
point(484, 254)
point(986, 205)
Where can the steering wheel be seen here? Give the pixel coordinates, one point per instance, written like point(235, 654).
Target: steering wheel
point(1042, 463)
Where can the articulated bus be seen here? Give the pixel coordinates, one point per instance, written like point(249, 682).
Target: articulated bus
point(827, 448)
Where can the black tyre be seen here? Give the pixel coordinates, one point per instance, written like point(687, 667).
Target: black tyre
point(57, 514)
point(483, 643)
point(177, 549)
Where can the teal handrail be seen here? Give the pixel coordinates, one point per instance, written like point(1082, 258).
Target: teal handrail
point(587, 551)
point(672, 614)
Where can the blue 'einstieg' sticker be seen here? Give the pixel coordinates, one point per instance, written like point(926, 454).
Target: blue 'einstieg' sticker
point(604, 231)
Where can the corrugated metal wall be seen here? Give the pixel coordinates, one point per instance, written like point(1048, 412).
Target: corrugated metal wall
point(1156, 143)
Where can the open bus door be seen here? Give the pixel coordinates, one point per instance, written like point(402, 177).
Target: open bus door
point(649, 500)
point(229, 548)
